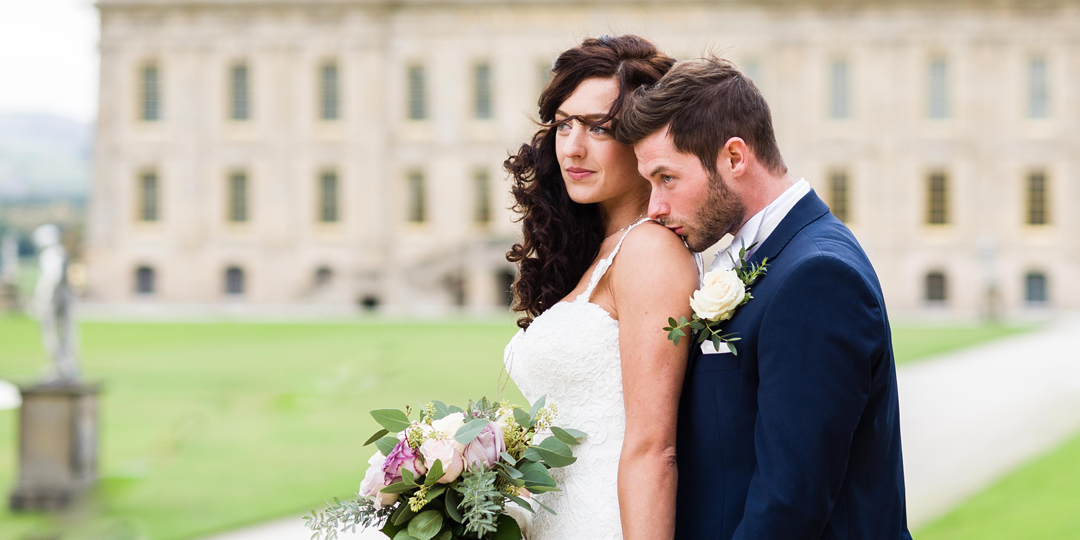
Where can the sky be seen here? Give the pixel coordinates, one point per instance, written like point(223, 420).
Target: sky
point(49, 58)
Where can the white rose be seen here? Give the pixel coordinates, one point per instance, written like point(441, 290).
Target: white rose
point(448, 425)
point(717, 299)
point(375, 480)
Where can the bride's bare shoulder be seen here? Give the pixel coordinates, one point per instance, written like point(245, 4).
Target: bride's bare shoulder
point(654, 250)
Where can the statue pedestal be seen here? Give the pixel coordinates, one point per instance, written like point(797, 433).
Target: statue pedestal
point(9, 297)
point(58, 434)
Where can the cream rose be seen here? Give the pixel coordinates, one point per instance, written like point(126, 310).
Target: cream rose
point(448, 425)
point(717, 299)
point(447, 451)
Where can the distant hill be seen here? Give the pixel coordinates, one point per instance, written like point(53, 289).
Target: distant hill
point(44, 156)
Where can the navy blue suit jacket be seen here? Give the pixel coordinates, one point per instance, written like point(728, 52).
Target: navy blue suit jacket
point(797, 436)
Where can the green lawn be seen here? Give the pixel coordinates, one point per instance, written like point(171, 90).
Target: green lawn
point(207, 427)
point(911, 342)
point(1040, 501)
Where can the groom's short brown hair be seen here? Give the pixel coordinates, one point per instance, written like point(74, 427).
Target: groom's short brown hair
point(704, 102)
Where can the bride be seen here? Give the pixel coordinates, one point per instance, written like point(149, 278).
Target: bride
point(591, 337)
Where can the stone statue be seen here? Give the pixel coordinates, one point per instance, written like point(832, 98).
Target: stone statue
point(9, 259)
point(53, 302)
point(9, 273)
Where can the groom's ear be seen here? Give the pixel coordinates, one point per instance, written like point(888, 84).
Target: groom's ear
point(733, 156)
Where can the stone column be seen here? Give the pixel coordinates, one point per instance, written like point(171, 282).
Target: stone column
point(58, 445)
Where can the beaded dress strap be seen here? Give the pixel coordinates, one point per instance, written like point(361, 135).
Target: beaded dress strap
point(604, 264)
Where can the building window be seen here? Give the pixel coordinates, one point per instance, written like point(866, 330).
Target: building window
point(144, 280)
point(238, 197)
point(839, 90)
point(1038, 210)
point(234, 281)
point(417, 98)
point(935, 287)
point(1035, 290)
point(1038, 89)
point(938, 102)
point(239, 93)
point(151, 93)
point(148, 197)
point(328, 197)
point(416, 198)
point(937, 207)
point(482, 91)
point(482, 192)
point(323, 276)
point(328, 92)
point(838, 202)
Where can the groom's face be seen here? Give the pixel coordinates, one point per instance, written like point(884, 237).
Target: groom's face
point(685, 197)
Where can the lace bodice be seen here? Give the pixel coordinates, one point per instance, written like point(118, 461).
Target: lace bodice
point(570, 353)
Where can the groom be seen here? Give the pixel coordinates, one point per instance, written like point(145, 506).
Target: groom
point(798, 435)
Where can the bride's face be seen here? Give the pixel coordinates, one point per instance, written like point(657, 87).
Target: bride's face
point(594, 167)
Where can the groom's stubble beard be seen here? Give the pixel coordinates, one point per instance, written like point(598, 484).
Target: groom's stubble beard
point(721, 213)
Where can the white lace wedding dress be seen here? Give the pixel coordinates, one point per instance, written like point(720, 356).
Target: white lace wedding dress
point(570, 353)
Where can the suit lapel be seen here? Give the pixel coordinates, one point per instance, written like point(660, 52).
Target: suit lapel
point(808, 210)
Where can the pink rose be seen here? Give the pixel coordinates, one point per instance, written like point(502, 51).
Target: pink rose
point(448, 451)
point(403, 457)
point(485, 449)
point(375, 480)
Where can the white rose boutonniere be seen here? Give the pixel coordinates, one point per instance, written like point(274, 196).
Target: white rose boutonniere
point(722, 292)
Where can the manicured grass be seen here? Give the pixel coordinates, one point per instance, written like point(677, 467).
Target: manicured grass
point(208, 427)
point(1040, 501)
point(911, 343)
point(211, 426)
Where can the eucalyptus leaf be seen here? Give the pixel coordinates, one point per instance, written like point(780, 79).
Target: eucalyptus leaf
point(378, 435)
point(563, 436)
point(433, 474)
point(555, 452)
point(521, 502)
point(445, 535)
point(405, 515)
point(391, 419)
point(508, 458)
point(389, 529)
point(531, 454)
point(536, 409)
point(426, 525)
point(576, 433)
point(434, 492)
point(399, 487)
point(522, 418)
point(731, 347)
point(468, 433)
point(441, 410)
point(453, 501)
point(386, 445)
point(404, 535)
point(454, 408)
point(508, 529)
point(408, 477)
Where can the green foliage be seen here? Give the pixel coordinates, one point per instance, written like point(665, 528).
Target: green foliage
point(210, 427)
point(481, 502)
point(344, 516)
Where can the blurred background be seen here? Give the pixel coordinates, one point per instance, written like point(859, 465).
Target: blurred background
point(282, 214)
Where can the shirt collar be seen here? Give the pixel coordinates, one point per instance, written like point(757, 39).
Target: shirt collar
point(761, 225)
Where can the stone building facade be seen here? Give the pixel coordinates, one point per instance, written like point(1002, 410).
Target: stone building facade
point(348, 152)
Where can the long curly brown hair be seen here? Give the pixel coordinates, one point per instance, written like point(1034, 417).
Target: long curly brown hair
point(561, 238)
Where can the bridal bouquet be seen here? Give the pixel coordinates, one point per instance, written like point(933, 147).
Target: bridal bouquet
point(449, 474)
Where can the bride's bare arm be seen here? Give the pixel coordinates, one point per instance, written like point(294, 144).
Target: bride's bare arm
point(652, 280)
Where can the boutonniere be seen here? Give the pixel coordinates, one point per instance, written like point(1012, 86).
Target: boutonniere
point(722, 292)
